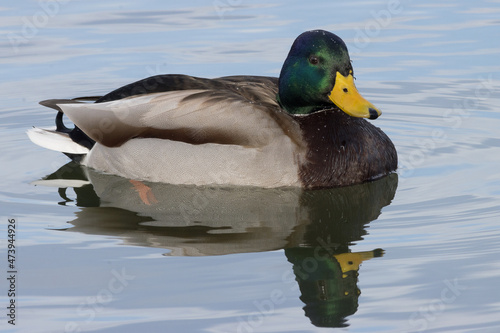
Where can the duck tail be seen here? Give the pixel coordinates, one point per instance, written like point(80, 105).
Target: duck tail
point(70, 141)
point(58, 141)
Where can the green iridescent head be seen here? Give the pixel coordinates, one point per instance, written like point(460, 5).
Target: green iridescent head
point(317, 74)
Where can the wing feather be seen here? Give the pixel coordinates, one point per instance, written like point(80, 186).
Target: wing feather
point(247, 116)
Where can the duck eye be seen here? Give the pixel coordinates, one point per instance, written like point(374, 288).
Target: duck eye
point(345, 90)
point(313, 60)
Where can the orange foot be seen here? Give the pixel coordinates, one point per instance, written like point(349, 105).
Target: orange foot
point(145, 192)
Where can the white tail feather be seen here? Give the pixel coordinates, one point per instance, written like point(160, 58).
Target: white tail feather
point(75, 183)
point(57, 141)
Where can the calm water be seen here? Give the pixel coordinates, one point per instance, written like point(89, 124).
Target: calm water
point(417, 251)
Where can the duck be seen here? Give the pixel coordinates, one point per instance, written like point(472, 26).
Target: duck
point(308, 128)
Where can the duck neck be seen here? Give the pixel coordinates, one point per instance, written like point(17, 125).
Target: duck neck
point(292, 108)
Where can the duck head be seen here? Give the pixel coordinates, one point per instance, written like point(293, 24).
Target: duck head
point(317, 74)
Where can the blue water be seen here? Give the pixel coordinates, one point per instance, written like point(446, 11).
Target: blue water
point(95, 259)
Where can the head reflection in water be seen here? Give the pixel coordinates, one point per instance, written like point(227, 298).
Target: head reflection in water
point(325, 269)
point(315, 228)
point(328, 283)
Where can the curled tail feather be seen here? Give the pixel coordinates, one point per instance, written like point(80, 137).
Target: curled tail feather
point(70, 141)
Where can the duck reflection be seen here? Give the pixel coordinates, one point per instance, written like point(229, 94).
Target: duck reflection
point(315, 228)
point(325, 269)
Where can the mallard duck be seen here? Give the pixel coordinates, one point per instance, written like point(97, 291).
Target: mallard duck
point(305, 128)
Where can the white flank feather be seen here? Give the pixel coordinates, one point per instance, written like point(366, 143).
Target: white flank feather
point(57, 141)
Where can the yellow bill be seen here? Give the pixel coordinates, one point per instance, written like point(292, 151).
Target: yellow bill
point(345, 95)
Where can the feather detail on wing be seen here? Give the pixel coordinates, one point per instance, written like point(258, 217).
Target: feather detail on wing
point(193, 116)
